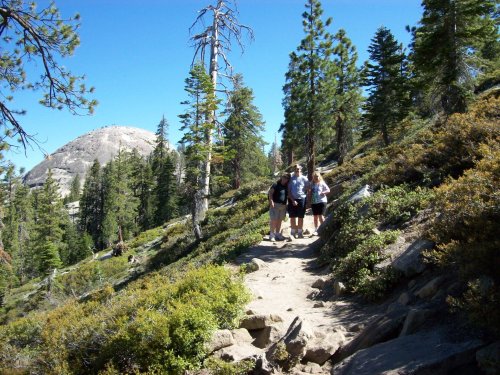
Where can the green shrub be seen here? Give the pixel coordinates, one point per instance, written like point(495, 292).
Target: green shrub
point(217, 366)
point(154, 325)
point(467, 235)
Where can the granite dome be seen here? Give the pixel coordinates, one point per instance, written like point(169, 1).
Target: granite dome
point(77, 156)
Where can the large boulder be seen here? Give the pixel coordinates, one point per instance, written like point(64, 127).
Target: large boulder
point(322, 346)
point(419, 354)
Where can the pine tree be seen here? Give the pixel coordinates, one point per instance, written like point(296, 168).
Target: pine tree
point(386, 79)
point(166, 206)
point(34, 40)
point(75, 190)
point(91, 213)
point(18, 230)
point(447, 44)
point(347, 93)
point(309, 86)
point(109, 224)
point(197, 138)
point(161, 147)
point(49, 232)
point(242, 134)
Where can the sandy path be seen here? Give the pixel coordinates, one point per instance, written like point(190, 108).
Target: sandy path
point(283, 285)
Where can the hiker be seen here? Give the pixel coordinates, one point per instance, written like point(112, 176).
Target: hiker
point(297, 192)
point(319, 191)
point(278, 195)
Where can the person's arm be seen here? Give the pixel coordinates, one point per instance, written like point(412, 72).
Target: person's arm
point(270, 196)
point(326, 189)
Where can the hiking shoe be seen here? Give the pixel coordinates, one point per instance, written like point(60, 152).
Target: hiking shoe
point(271, 238)
point(280, 237)
point(300, 235)
point(315, 233)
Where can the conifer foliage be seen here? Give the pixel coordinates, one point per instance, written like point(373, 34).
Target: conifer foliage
point(449, 45)
point(386, 79)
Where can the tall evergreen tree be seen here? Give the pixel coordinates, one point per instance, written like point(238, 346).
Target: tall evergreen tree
point(347, 93)
point(161, 147)
point(197, 138)
point(166, 192)
point(49, 232)
point(311, 60)
point(450, 37)
point(19, 229)
point(386, 79)
point(242, 133)
point(75, 190)
point(91, 213)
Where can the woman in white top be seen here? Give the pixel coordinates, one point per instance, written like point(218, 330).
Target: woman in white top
point(319, 191)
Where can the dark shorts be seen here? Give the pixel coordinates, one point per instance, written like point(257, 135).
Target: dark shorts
point(318, 208)
point(299, 210)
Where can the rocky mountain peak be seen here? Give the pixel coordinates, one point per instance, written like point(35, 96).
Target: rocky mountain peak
point(77, 156)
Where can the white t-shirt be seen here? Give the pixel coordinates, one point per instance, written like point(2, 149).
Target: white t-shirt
point(317, 190)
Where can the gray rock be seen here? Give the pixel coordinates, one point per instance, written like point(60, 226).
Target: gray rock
point(431, 288)
point(404, 299)
point(297, 337)
point(414, 320)
point(240, 352)
point(266, 336)
point(362, 193)
point(381, 329)
point(319, 283)
point(220, 339)
point(252, 322)
point(77, 156)
point(488, 359)
point(419, 354)
point(322, 347)
point(255, 264)
point(339, 288)
point(241, 335)
point(410, 262)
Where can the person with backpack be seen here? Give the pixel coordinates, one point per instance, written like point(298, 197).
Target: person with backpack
point(278, 196)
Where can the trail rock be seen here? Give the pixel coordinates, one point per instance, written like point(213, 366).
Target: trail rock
point(339, 288)
point(319, 283)
point(431, 288)
point(410, 262)
point(381, 329)
point(488, 359)
point(267, 336)
point(240, 352)
point(220, 339)
point(415, 319)
point(252, 322)
point(419, 354)
point(241, 335)
point(255, 264)
point(323, 346)
point(297, 337)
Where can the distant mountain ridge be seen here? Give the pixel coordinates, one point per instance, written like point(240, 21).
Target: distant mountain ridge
point(77, 156)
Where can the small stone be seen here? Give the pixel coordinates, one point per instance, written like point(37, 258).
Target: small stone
point(319, 283)
point(357, 327)
point(319, 304)
point(404, 299)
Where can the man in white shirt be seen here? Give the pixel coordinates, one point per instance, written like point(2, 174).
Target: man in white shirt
point(297, 193)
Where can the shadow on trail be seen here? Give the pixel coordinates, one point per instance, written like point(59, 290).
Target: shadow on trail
point(269, 252)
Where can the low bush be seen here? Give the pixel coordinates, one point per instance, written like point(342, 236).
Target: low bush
point(154, 325)
point(467, 234)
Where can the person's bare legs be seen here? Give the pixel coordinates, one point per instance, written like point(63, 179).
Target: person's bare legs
point(293, 225)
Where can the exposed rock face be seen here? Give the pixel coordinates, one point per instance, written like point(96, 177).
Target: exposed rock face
point(77, 156)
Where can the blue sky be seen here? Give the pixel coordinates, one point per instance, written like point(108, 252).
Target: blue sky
point(137, 54)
